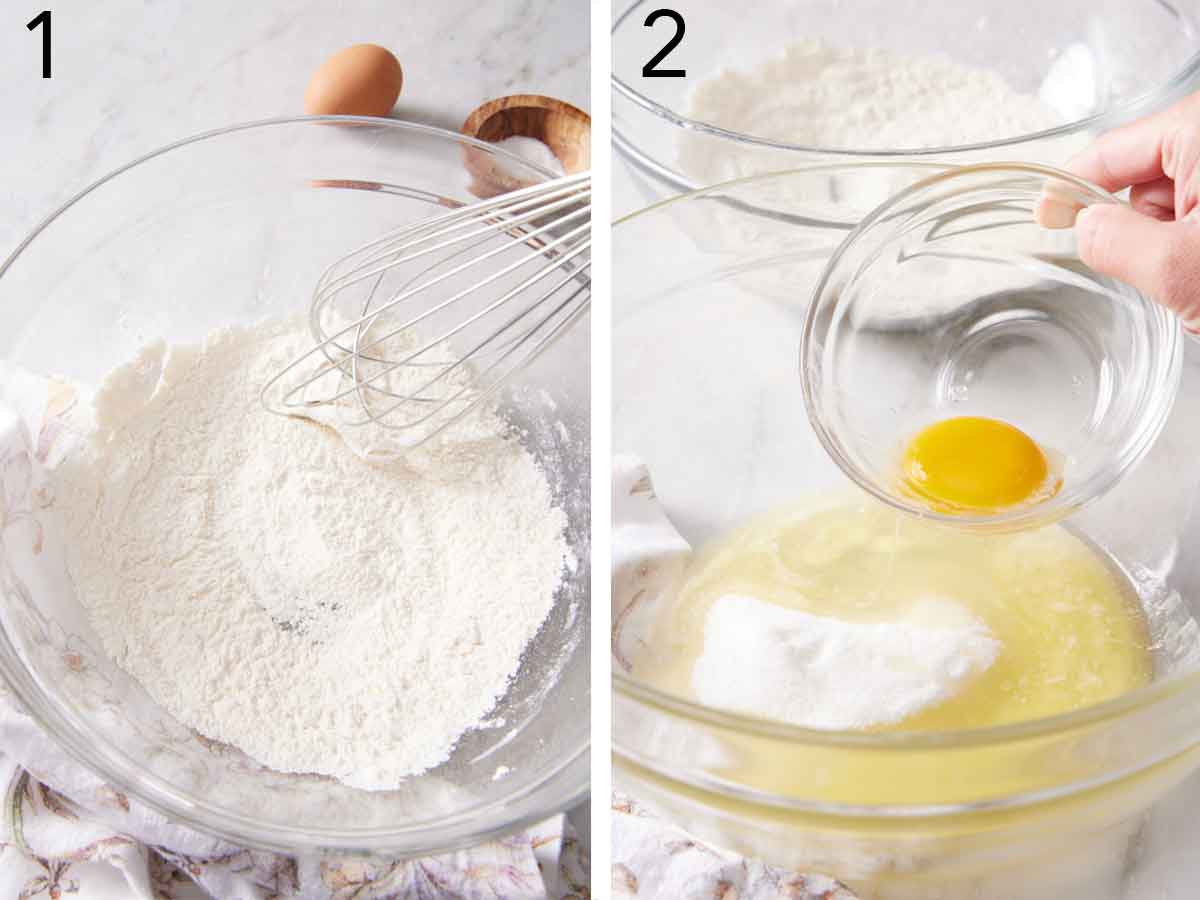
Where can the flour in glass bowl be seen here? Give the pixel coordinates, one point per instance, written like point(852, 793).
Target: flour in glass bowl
point(820, 95)
point(277, 592)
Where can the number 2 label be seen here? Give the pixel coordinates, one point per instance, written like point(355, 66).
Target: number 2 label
point(650, 69)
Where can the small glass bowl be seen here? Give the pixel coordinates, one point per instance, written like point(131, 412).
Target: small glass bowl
point(949, 299)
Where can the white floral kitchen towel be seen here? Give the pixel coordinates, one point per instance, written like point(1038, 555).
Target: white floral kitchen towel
point(653, 859)
point(82, 840)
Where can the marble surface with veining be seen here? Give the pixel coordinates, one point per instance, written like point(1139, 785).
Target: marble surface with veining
point(130, 76)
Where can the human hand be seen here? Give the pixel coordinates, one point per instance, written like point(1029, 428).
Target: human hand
point(1154, 243)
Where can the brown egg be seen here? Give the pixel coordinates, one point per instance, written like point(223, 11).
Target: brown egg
point(363, 80)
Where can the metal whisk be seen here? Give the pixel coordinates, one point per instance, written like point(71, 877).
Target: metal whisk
point(415, 329)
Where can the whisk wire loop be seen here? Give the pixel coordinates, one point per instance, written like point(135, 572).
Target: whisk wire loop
point(418, 327)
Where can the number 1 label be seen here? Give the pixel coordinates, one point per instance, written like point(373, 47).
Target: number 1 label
point(42, 20)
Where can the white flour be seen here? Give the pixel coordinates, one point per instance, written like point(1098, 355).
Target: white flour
point(819, 95)
point(818, 672)
point(824, 96)
point(276, 592)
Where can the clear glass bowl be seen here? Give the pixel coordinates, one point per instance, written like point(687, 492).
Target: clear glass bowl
point(710, 301)
point(949, 299)
point(1103, 63)
point(232, 226)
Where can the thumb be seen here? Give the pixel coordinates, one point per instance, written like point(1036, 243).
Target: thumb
point(1160, 259)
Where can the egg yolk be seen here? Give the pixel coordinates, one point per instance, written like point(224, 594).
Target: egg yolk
point(973, 464)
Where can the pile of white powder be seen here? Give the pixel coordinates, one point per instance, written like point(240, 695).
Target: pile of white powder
point(531, 150)
point(276, 592)
point(820, 95)
point(818, 672)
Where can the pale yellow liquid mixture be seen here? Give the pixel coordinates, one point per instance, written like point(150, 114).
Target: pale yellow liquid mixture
point(1071, 633)
point(1070, 630)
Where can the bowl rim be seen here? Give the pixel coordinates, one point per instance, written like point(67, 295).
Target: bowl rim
point(568, 776)
point(1154, 694)
point(1167, 363)
point(1115, 112)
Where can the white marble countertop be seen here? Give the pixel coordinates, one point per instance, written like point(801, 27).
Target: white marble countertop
point(131, 76)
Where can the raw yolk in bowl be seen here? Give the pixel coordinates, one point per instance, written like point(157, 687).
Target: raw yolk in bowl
point(973, 464)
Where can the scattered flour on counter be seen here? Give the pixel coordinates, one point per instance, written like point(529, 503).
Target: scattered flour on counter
point(276, 592)
point(790, 666)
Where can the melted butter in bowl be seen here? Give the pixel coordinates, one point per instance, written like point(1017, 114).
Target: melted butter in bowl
point(1009, 627)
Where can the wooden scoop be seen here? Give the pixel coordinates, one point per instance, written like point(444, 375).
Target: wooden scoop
point(565, 129)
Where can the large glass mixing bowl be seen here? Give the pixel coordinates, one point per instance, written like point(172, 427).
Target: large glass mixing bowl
point(229, 227)
point(1095, 63)
point(710, 300)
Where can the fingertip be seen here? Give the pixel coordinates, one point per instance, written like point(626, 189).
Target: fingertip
point(1087, 224)
point(1057, 205)
point(1054, 211)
